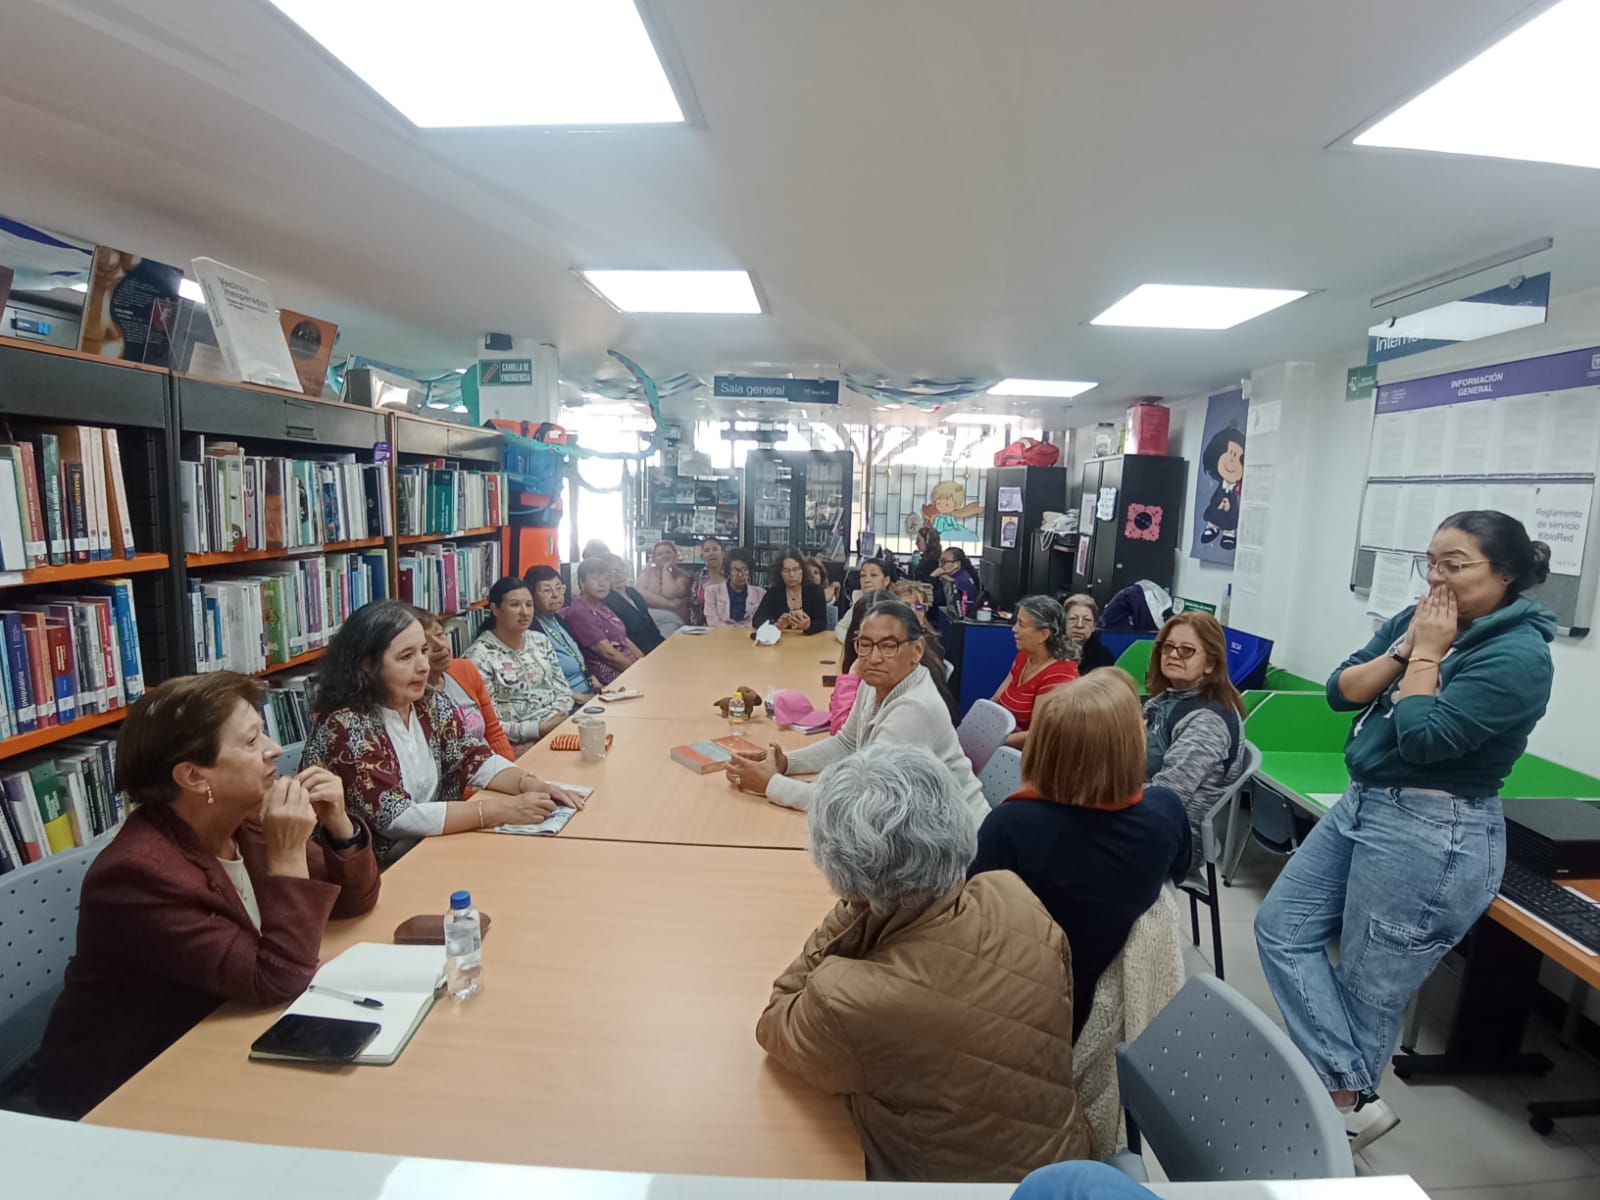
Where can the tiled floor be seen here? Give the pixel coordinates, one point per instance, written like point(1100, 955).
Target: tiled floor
point(1462, 1139)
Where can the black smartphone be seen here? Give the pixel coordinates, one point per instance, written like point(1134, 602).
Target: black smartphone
point(314, 1039)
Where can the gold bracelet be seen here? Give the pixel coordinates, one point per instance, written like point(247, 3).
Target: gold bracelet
point(1425, 661)
point(480, 814)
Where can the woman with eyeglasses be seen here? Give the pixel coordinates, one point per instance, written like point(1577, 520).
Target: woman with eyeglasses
point(1411, 855)
point(1083, 618)
point(1046, 658)
point(898, 703)
point(733, 601)
point(549, 598)
point(1193, 732)
point(959, 579)
point(792, 603)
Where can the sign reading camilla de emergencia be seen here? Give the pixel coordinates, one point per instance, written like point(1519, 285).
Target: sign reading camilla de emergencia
point(505, 372)
point(761, 387)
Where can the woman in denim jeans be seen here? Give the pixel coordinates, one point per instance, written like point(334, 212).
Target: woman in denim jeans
point(1412, 853)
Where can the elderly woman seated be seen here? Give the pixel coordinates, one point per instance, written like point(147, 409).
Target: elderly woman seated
point(898, 702)
point(941, 1010)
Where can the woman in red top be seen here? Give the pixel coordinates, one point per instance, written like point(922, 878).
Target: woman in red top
point(1044, 661)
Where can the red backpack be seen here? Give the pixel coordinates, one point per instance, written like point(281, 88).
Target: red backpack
point(1028, 452)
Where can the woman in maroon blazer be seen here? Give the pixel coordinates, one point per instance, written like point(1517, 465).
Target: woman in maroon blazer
point(217, 887)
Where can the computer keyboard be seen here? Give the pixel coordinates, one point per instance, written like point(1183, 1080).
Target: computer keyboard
point(1573, 915)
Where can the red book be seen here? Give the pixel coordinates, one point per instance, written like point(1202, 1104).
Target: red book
point(44, 679)
point(712, 754)
point(116, 696)
point(38, 547)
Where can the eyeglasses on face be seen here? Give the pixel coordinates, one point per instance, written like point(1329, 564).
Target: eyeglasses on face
point(886, 647)
point(1448, 567)
point(1180, 652)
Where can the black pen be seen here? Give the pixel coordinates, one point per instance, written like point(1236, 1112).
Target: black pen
point(363, 1001)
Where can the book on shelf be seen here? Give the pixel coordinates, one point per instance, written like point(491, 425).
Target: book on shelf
point(13, 542)
point(249, 621)
point(286, 708)
point(449, 500)
point(233, 502)
point(58, 529)
point(24, 479)
point(65, 657)
point(93, 492)
point(246, 324)
point(447, 578)
point(310, 344)
point(56, 800)
point(130, 307)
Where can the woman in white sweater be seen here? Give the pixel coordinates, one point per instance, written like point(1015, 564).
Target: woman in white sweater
point(897, 703)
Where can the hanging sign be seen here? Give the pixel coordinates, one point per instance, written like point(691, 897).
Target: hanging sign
point(759, 387)
point(505, 372)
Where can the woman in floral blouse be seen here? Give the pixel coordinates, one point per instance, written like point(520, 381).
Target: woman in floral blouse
point(399, 746)
point(530, 693)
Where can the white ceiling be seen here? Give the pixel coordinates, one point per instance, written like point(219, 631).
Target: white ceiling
point(935, 187)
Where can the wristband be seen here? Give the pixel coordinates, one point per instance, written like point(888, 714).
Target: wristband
point(1430, 661)
point(355, 839)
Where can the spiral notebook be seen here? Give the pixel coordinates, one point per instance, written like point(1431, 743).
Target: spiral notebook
point(404, 979)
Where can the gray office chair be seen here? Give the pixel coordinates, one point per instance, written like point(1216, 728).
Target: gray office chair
point(1213, 850)
point(985, 727)
point(1273, 826)
point(38, 934)
point(1002, 776)
point(1220, 1092)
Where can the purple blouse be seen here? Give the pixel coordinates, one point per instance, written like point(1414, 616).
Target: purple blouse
point(592, 624)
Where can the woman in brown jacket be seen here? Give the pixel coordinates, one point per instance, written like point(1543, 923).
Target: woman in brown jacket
point(940, 1009)
point(216, 888)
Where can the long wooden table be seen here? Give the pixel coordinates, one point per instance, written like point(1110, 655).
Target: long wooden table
point(616, 1029)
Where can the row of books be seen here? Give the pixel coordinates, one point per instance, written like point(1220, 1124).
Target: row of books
point(463, 630)
point(53, 802)
point(64, 657)
point(286, 710)
point(234, 502)
point(448, 578)
point(448, 500)
point(63, 498)
point(250, 621)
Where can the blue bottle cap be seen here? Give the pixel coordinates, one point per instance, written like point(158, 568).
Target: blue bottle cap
point(460, 899)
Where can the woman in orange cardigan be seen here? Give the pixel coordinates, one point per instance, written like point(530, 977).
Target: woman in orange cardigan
point(460, 680)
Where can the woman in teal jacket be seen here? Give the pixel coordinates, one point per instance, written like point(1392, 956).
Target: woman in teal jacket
point(1412, 853)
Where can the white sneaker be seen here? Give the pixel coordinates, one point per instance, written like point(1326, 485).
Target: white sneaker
point(1367, 1121)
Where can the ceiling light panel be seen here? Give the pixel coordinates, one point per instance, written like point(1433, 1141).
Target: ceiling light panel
point(1050, 388)
point(498, 62)
point(1533, 95)
point(713, 292)
point(1186, 306)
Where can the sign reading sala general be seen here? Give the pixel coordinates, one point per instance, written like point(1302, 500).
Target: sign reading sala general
point(760, 387)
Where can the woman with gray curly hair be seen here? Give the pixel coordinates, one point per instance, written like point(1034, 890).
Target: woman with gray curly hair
point(941, 1010)
point(1046, 658)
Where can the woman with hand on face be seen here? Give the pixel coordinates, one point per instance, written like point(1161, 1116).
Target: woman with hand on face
point(667, 588)
point(518, 663)
point(1192, 719)
point(1044, 661)
point(713, 557)
point(549, 598)
point(959, 579)
point(459, 679)
point(795, 605)
point(217, 887)
point(875, 577)
point(1411, 855)
point(607, 650)
point(898, 702)
point(398, 746)
point(624, 600)
point(1083, 615)
point(733, 602)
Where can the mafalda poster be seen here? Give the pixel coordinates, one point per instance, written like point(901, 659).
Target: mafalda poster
point(1219, 484)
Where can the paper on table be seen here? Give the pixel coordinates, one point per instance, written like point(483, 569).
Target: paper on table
point(1395, 585)
point(556, 821)
point(401, 978)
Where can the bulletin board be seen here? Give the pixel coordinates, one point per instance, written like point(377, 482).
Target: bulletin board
point(1522, 437)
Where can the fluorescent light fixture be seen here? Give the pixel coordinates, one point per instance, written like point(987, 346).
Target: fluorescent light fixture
point(1186, 306)
point(1052, 388)
point(1532, 96)
point(498, 62)
point(981, 418)
point(675, 291)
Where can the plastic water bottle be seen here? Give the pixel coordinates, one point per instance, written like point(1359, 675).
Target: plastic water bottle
point(463, 947)
point(1225, 609)
point(737, 715)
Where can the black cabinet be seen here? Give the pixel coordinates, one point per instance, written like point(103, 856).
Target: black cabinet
point(799, 499)
point(1140, 538)
point(1015, 501)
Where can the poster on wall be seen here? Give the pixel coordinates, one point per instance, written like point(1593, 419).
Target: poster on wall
point(948, 511)
point(1219, 484)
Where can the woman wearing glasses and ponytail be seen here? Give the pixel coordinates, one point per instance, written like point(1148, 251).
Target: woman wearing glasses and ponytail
point(1411, 855)
point(1192, 719)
